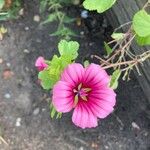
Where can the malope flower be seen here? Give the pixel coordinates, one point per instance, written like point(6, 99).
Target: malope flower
point(40, 63)
point(86, 91)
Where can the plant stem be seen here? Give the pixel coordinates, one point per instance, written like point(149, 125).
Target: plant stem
point(122, 26)
point(102, 60)
point(135, 61)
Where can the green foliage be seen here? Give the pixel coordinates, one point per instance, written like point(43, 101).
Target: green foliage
point(141, 23)
point(114, 79)
point(47, 80)
point(143, 40)
point(68, 19)
point(43, 4)
point(56, 14)
point(11, 12)
point(86, 63)
point(117, 36)
point(141, 26)
point(68, 53)
point(68, 49)
point(50, 18)
point(2, 2)
point(108, 49)
point(54, 113)
point(63, 32)
point(99, 5)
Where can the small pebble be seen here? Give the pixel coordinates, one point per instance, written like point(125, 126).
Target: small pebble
point(18, 122)
point(38, 40)
point(82, 32)
point(36, 111)
point(36, 18)
point(8, 64)
point(135, 126)
point(84, 14)
point(43, 109)
point(1, 60)
point(26, 51)
point(146, 134)
point(7, 96)
point(26, 28)
point(106, 147)
point(27, 69)
point(94, 145)
point(81, 148)
point(21, 12)
point(7, 74)
point(90, 44)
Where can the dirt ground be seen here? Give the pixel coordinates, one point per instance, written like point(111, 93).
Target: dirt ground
point(25, 123)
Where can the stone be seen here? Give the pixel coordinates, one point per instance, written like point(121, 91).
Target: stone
point(36, 18)
point(7, 96)
point(18, 122)
point(36, 111)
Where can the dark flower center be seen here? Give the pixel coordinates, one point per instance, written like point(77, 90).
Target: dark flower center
point(81, 93)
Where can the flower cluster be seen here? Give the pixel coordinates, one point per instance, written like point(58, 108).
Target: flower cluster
point(86, 90)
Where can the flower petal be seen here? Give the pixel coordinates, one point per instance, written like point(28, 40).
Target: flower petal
point(40, 63)
point(62, 97)
point(104, 94)
point(100, 108)
point(83, 117)
point(73, 73)
point(94, 74)
point(62, 85)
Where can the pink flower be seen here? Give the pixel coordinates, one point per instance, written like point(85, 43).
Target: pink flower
point(86, 91)
point(40, 63)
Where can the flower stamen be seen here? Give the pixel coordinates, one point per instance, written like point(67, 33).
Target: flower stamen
point(81, 93)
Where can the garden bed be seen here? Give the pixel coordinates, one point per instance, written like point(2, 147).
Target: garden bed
point(24, 110)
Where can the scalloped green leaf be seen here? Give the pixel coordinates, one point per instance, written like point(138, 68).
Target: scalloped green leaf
point(69, 49)
point(143, 41)
point(117, 36)
point(99, 5)
point(141, 23)
point(45, 79)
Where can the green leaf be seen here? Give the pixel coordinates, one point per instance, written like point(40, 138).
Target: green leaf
point(51, 17)
point(141, 23)
point(114, 79)
point(46, 81)
point(54, 113)
point(2, 2)
point(117, 36)
point(143, 41)
point(43, 5)
point(86, 63)
point(68, 19)
point(108, 49)
point(59, 115)
point(64, 32)
point(4, 16)
point(99, 5)
point(69, 49)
